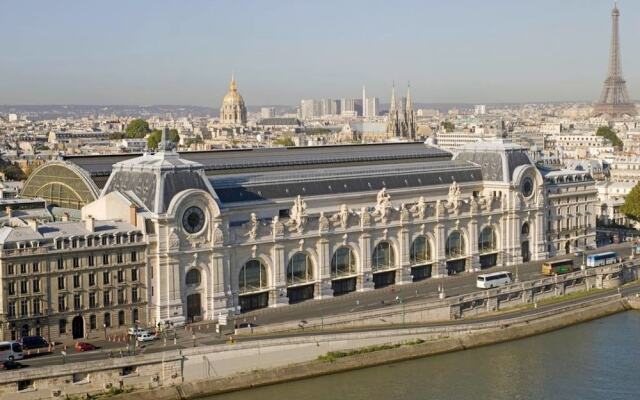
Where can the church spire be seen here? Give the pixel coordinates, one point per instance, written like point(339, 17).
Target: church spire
point(393, 126)
point(233, 87)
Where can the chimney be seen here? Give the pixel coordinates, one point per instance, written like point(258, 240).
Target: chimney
point(33, 224)
point(90, 224)
point(133, 215)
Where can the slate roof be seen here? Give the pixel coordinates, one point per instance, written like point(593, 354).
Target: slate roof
point(498, 159)
point(217, 162)
point(155, 179)
point(335, 181)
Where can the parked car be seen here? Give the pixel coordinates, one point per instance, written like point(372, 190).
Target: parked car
point(138, 331)
point(33, 342)
point(146, 337)
point(11, 365)
point(84, 346)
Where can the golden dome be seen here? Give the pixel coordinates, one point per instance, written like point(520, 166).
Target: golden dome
point(233, 97)
point(233, 111)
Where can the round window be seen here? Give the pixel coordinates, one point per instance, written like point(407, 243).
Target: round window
point(193, 219)
point(527, 187)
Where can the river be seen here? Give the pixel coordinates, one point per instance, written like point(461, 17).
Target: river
point(597, 360)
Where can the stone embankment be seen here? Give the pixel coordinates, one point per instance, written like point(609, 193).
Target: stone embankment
point(455, 340)
point(214, 369)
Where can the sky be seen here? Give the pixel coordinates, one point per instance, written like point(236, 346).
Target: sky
point(183, 52)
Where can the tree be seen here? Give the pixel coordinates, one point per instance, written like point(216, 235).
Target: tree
point(448, 126)
point(156, 136)
point(137, 129)
point(284, 141)
point(611, 135)
point(631, 206)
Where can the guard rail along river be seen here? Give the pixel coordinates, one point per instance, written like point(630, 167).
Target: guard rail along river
point(295, 350)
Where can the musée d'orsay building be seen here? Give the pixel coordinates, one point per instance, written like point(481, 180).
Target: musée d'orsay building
point(187, 236)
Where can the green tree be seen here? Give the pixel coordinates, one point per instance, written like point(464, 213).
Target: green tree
point(156, 136)
point(137, 129)
point(284, 141)
point(611, 135)
point(448, 126)
point(631, 206)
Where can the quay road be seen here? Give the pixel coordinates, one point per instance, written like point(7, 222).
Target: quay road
point(204, 333)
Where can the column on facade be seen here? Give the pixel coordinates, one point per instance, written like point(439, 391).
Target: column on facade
point(323, 271)
point(440, 263)
point(403, 274)
point(513, 240)
point(365, 275)
point(473, 263)
point(218, 301)
point(538, 236)
point(278, 292)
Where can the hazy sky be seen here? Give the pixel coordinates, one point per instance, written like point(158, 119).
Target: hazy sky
point(183, 52)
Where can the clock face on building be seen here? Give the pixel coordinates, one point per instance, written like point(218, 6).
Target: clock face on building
point(193, 219)
point(527, 187)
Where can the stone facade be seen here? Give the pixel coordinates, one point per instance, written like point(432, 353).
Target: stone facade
point(70, 280)
point(229, 243)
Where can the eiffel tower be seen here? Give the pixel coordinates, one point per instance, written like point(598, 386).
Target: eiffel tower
point(614, 100)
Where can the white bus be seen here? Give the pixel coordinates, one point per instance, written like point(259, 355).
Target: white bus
point(10, 351)
point(488, 281)
point(596, 260)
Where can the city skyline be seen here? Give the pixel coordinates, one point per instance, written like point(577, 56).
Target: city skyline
point(185, 55)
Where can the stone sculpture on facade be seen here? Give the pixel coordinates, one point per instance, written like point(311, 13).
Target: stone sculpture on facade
point(453, 198)
point(404, 213)
point(277, 227)
point(383, 205)
point(252, 226)
point(298, 214)
point(174, 240)
point(420, 208)
point(342, 216)
point(218, 236)
point(323, 222)
point(365, 217)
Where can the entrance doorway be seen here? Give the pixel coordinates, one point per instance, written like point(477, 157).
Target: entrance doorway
point(77, 327)
point(526, 255)
point(194, 307)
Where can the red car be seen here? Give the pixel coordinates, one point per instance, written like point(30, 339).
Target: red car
point(84, 346)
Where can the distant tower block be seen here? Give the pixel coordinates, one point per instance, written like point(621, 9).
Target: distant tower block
point(614, 100)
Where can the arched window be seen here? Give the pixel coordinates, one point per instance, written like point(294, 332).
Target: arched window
point(525, 229)
point(253, 276)
point(107, 319)
point(121, 320)
point(299, 269)
point(193, 277)
point(343, 262)
point(455, 245)
point(383, 257)
point(420, 250)
point(487, 241)
point(134, 315)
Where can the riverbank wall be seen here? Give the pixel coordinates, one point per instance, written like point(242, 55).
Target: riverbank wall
point(502, 331)
point(469, 305)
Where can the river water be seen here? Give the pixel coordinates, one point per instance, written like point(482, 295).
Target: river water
point(597, 360)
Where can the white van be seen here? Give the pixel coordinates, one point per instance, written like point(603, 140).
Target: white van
point(10, 351)
point(488, 281)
